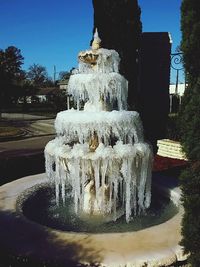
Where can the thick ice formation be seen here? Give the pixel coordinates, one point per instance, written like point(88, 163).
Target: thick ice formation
point(108, 87)
point(80, 125)
point(125, 170)
point(107, 62)
point(99, 153)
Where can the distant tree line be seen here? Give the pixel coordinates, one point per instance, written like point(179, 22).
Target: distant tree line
point(190, 129)
point(17, 83)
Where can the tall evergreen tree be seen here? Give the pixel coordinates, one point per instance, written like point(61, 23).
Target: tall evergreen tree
point(190, 26)
point(119, 27)
point(190, 121)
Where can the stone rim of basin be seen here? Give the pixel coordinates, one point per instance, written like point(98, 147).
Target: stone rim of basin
point(162, 244)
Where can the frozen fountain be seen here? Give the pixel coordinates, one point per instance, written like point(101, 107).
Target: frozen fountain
point(99, 151)
point(93, 206)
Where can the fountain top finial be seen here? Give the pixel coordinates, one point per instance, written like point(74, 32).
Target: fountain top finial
point(97, 41)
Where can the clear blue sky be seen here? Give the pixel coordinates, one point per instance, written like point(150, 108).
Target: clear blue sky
point(53, 32)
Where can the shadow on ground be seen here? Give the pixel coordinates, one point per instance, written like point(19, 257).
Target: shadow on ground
point(28, 244)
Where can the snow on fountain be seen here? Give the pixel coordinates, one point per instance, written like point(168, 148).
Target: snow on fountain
point(99, 151)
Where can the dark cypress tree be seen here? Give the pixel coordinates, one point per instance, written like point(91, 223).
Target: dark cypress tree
point(119, 27)
point(190, 129)
point(190, 25)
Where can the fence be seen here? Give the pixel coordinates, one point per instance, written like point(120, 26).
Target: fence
point(177, 82)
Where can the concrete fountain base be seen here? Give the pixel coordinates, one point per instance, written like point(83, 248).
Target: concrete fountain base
point(154, 246)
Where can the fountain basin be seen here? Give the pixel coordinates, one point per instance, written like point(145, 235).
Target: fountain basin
point(156, 246)
point(38, 204)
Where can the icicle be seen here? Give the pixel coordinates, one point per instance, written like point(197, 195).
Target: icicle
point(148, 183)
point(63, 191)
point(76, 184)
point(143, 151)
point(96, 167)
point(78, 104)
point(128, 189)
point(110, 203)
point(57, 179)
point(103, 177)
point(115, 200)
point(49, 163)
point(68, 104)
point(57, 193)
point(63, 178)
point(134, 187)
point(83, 182)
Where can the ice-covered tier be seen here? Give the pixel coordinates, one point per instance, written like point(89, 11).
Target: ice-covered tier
point(108, 87)
point(98, 61)
point(104, 181)
point(79, 126)
point(97, 80)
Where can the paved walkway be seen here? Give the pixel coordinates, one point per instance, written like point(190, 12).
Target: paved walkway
point(23, 157)
point(21, 116)
point(25, 146)
point(39, 132)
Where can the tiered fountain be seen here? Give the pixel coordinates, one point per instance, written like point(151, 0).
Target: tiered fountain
point(100, 168)
point(99, 151)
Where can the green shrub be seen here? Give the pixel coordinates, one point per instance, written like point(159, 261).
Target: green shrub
point(190, 122)
point(190, 185)
point(190, 129)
